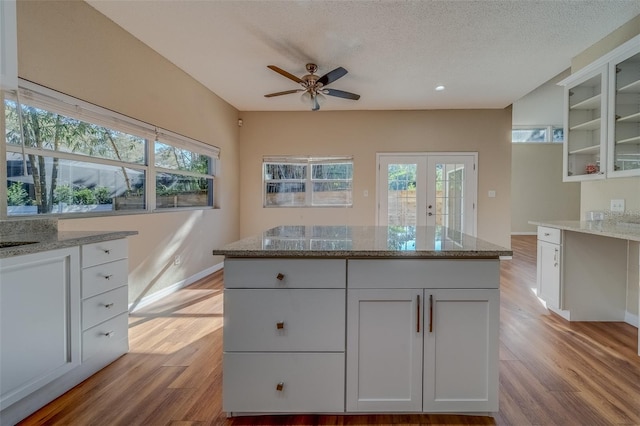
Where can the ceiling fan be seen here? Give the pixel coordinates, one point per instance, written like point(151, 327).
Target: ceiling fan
point(314, 87)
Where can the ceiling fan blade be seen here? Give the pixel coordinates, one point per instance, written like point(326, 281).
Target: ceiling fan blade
point(286, 92)
point(332, 76)
point(341, 94)
point(284, 73)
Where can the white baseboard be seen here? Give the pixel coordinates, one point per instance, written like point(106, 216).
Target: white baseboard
point(629, 318)
point(147, 300)
point(525, 233)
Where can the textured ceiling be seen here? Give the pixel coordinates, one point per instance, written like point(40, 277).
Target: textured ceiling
point(487, 53)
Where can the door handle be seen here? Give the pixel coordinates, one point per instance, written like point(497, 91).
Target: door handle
point(418, 314)
point(431, 313)
point(429, 214)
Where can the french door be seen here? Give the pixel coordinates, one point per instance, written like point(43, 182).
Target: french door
point(428, 189)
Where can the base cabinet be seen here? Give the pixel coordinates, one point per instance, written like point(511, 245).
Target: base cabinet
point(395, 364)
point(421, 335)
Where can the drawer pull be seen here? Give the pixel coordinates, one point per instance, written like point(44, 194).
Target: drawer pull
point(108, 305)
point(546, 234)
point(108, 277)
point(110, 333)
point(107, 252)
point(280, 386)
point(280, 325)
point(280, 276)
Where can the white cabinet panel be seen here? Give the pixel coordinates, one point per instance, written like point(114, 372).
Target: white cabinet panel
point(285, 273)
point(262, 320)
point(414, 273)
point(283, 382)
point(102, 337)
point(100, 278)
point(104, 306)
point(384, 350)
point(103, 252)
point(549, 270)
point(461, 350)
point(39, 320)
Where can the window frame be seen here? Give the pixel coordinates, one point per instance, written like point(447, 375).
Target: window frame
point(32, 94)
point(308, 181)
point(548, 128)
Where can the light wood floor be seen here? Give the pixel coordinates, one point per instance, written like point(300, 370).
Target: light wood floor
point(552, 372)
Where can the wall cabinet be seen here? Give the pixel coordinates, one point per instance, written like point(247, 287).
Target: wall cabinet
point(602, 117)
point(549, 266)
point(39, 320)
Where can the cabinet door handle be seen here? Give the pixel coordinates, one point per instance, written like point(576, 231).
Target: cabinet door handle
point(280, 276)
point(555, 258)
point(546, 234)
point(280, 325)
point(110, 333)
point(107, 251)
point(108, 277)
point(108, 305)
point(431, 313)
point(418, 314)
point(280, 386)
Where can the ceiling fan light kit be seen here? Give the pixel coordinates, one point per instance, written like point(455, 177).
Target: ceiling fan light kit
point(313, 87)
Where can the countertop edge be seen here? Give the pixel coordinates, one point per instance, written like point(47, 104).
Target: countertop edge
point(351, 254)
point(48, 242)
point(586, 227)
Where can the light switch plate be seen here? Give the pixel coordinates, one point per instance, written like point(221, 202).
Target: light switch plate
point(492, 194)
point(617, 206)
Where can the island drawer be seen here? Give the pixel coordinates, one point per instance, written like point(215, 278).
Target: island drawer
point(283, 382)
point(310, 320)
point(428, 273)
point(284, 273)
point(104, 336)
point(551, 235)
point(103, 252)
point(100, 308)
point(105, 277)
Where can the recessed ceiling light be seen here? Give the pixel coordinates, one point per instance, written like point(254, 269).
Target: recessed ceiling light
point(439, 88)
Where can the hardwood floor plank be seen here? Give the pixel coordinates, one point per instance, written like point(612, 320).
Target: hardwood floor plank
point(552, 372)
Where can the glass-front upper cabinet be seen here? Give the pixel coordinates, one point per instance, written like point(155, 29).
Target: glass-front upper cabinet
point(585, 146)
point(624, 114)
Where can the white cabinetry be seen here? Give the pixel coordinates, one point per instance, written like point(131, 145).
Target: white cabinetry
point(39, 320)
point(284, 335)
point(105, 316)
point(602, 116)
point(430, 346)
point(549, 266)
point(63, 317)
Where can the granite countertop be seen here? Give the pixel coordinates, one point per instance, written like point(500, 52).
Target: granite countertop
point(623, 228)
point(363, 241)
point(43, 235)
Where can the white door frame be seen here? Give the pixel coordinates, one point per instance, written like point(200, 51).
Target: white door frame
point(473, 190)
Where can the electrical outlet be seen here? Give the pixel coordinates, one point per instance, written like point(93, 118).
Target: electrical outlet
point(617, 206)
point(177, 260)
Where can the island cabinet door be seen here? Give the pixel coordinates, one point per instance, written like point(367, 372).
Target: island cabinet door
point(461, 350)
point(384, 350)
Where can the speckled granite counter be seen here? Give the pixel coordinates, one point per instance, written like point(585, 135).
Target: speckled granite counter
point(625, 229)
point(363, 242)
point(42, 235)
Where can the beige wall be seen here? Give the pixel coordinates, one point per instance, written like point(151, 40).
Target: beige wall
point(537, 190)
point(363, 134)
point(70, 47)
point(597, 195)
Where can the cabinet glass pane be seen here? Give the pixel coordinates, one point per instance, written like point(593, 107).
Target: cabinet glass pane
point(627, 115)
point(584, 127)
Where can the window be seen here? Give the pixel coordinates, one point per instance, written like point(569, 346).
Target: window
point(542, 134)
point(66, 156)
point(307, 181)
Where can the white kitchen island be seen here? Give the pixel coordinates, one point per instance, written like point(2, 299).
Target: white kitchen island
point(344, 319)
point(589, 270)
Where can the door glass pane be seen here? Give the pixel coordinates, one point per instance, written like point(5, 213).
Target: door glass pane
point(448, 209)
point(627, 120)
point(402, 193)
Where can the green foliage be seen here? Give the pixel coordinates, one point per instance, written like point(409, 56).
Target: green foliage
point(84, 196)
point(102, 194)
point(17, 195)
point(63, 194)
